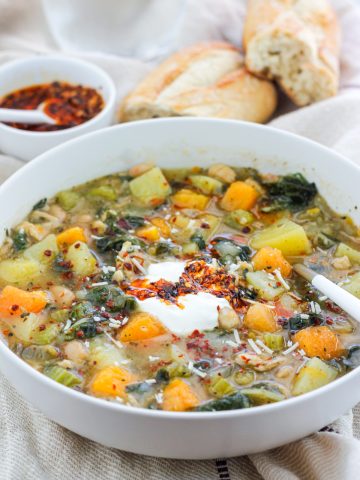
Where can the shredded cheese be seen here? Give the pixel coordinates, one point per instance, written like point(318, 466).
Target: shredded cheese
point(281, 279)
point(237, 336)
point(291, 349)
point(263, 346)
point(254, 346)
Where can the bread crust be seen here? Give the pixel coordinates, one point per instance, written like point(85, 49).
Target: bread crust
point(295, 42)
point(204, 80)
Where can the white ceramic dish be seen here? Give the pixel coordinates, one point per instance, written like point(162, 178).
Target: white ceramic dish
point(181, 142)
point(44, 69)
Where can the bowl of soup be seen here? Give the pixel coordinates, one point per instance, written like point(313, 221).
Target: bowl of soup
point(147, 293)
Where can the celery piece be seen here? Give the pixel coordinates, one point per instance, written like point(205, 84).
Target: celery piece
point(67, 199)
point(238, 219)
point(104, 191)
point(40, 353)
point(274, 341)
point(45, 336)
point(205, 184)
point(61, 375)
point(151, 188)
point(264, 285)
point(314, 374)
point(60, 316)
point(352, 254)
point(244, 377)
point(220, 387)
point(287, 236)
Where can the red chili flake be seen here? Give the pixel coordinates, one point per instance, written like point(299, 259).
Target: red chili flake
point(48, 253)
point(68, 104)
point(80, 334)
point(113, 386)
point(14, 307)
point(42, 327)
point(77, 245)
point(205, 225)
point(99, 330)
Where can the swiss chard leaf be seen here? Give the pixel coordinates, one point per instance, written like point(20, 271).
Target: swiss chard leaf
point(20, 240)
point(230, 402)
point(199, 240)
point(291, 192)
point(40, 204)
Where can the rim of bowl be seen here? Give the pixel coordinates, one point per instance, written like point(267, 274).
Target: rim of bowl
point(106, 81)
point(178, 416)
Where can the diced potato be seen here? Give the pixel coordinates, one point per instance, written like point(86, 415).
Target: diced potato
point(82, 261)
point(14, 301)
point(111, 382)
point(20, 271)
point(149, 233)
point(151, 188)
point(314, 374)
point(188, 199)
point(352, 254)
point(353, 286)
point(70, 236)
point(67, 199)
point(319, 341)
point(267, 288)
point(179, 396)
point(23, 329)
point(207, 185)
point(142, 326)
point(103, 354)
point(208, 224)
point(287, 236)
point(239, 195)
point(239, 219)
point(44, 251)
point(260, 317)
point(190, 248)
point(270, 259)
point(162, 225)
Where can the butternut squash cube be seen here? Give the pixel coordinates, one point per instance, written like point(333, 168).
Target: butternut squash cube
point(319, 342)
point(179, 396)
point(111, 382)
point(239, 195)
point(141, 326)
point(259, 317)
point(185, 198)
point(70, 236)
point(149, 233)
point(270, 259)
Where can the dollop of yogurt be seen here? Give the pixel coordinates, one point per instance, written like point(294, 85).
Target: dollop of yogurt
point(170, 271)
point(194, 311)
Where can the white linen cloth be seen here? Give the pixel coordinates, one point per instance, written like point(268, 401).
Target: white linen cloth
point(34, 448)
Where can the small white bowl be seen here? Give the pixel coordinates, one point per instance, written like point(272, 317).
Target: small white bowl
point(30, 71)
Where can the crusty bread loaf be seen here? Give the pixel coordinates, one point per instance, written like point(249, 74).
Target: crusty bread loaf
point(205, 80)
point(295, 42)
